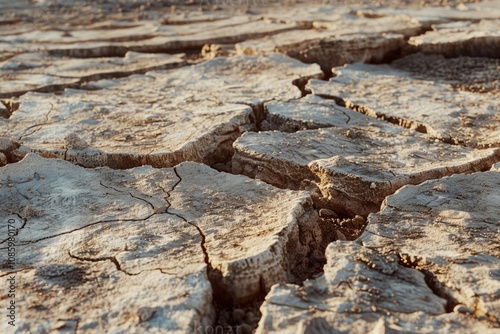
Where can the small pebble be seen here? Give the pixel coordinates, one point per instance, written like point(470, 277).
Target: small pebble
point(460, 308)
point(327, 213)
point(3, 159)
point(440, 188)
point(8, 145)
point(145, 313)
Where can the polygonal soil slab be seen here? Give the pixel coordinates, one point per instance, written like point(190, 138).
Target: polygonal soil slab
point(162, 118)
point(358, 179)
point(427, 263)
point(356, 162)
point(95, 250)
point(362, 291)
point(310, 112)
point(43, 73)
point(255, 235)
point(74, 35)
point(145, 36)
point(449, 229)
point(324, 47)
point(344, 20)
point(127, 129)
point(461, 39)
point(472, 74)
point(282, 159)
point(109, 250)
point(341, 35)
point(425, 103)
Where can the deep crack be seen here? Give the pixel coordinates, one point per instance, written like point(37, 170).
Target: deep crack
point(217, 293)
point(431, 280)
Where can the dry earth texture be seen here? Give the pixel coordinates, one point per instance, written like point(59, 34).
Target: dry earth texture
point(249, 166)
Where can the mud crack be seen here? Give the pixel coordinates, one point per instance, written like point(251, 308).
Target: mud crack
point(202, 235)
point(132, 195)
point(38, 126)
point(431, 280)
point(108, 258)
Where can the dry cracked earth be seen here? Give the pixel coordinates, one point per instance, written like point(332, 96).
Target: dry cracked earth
point(250, 166)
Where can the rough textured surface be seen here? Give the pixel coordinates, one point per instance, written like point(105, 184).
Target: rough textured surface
point(145, 36)
point(472, 74)
point(161, 118)
point(102, 129)
point(187, 249)
point(326, 49)
point(423, 102)
point(339, 36)
point(347, 21)
point(130, 236)
point(310, 112)
point(92, 254)
point(358, 183)
point(431, 15)
point(255, 235)
point(446, 229)
point(356, 165)
point(449, 228)
point(39, 72)
point(362, 291)
point(363, 159)
point(128, 228)
point(462, 39)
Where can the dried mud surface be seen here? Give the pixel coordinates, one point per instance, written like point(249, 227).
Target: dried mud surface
point(249, 166)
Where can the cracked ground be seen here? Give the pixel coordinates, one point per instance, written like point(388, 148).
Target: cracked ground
point(249, 166)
